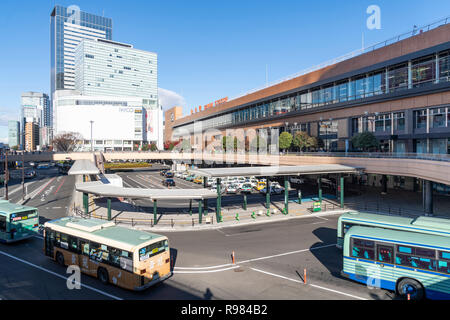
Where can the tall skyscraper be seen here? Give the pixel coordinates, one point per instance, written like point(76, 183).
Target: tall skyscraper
point(108, 68)
point(13, 133)
point(68, 26)
point(35, 108)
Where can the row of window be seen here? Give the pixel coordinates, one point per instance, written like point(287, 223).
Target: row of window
point(408, 256)
point(418, 73)
point(95, 251)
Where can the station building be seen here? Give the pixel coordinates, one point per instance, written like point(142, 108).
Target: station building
point(398, 89)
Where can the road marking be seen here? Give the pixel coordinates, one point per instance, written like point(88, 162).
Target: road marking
point(37, 191)
point(62, 182)
point(209, 271)
point(312, 285)
point(256, 259)
point(140, 184)
point(58, 275)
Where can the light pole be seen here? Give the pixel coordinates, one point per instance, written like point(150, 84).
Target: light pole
point(92, 141)
point(23, 175)
point(6, 175)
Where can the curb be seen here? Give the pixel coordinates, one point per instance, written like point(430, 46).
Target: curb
point(231, 225)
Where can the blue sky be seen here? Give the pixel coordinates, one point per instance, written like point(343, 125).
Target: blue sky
point(206, 49)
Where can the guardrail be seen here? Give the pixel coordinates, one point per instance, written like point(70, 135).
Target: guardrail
point(375, 207)
point(149, 221)
point(387, 155)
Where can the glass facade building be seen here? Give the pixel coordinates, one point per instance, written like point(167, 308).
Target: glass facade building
point(13, 133)
point(68, 26)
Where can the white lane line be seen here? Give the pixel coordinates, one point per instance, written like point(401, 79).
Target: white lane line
point(256, 259)
point(335, 291)
point(140, 184)
point(312, 285)
point(322, 218)
point(59, 276)
point(209, 271)
point(39, 190)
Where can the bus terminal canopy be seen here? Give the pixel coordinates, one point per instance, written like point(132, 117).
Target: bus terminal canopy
point(275, 170)
point(83, 167)
point(105, 190)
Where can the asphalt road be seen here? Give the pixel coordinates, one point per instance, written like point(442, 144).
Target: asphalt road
point(270, 258)
point(270, 263)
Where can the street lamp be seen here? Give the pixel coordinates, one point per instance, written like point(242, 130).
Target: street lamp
point(92, 141)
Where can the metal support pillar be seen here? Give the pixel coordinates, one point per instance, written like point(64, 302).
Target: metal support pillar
point(200, 211)
point(267, 193)
point(428, 197)
point(190, 207)
point(245, 201)
point(319, 182)
point(205, 201)
point(108, 201)
point(86, 202)
point(218, 201)
point(286, 195)
point(384, 184)
point(342, 192)
point(155, 211)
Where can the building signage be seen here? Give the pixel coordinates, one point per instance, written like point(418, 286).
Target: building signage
point(212, 104)
point(126, 109)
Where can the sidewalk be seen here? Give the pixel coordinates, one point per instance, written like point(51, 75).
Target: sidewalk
point(129, 215)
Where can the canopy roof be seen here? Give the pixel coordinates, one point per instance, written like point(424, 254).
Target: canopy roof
point(83, 167)
point(108, 190)
point(275, 170)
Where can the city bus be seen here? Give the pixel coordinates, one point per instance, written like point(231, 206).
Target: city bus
point(17, 222)
point(429, 225)
point(409, 263)
point(128, 258)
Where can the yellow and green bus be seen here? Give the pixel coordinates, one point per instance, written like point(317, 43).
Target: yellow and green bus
point(17, 222)
point(408, 263)
point(128, 258)
point(428, 225)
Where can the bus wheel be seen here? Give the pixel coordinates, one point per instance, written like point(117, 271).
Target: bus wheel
point(412, 287)
point(102, 275)
point(60, 258)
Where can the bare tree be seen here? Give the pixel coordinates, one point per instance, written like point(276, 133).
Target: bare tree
point(67, 141)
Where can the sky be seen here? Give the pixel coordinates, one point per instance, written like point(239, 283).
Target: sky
point(206, 50)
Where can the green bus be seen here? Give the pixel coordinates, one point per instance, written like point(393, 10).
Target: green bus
point(408, 263)
point(131, 259)
point(429, 225)
point(17, 222)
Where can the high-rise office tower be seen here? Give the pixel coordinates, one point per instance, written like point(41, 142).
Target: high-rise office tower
point(13, 133)
point(35, 108)
point(68, 27)
point(109, 68)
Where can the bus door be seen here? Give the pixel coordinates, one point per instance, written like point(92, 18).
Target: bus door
point(49, 241)
point(384, 261)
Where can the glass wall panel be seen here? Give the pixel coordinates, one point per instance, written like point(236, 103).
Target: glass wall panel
point(444, 66)
point(423, 71)
point(437, 118)
point(421, 146)
point(420, 119)
point(398, 78)
point(399, 121)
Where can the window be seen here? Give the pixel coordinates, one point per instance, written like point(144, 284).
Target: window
point(437, 118)
point(420, 119)
point(384, 253)
point(416, 257)
point(399, 121)
point(98, 252)
point(153, 249)
point(89, 56)
point(3, 223)
point(73, 244)
point(398, 77)
point(363, 249)
point(423, 71)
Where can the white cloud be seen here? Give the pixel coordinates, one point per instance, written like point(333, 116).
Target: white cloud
point(169, 99)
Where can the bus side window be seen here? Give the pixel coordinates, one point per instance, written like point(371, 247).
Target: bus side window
point(363, 249)
point(384, 253)
point(443, 266)
point(3, 223)
point(84, 246)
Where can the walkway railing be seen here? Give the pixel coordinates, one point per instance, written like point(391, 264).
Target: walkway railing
point(387, 155)
point(191, 222)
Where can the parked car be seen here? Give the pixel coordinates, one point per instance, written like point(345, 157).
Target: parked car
point(29, 173)
point(198, 179)
point(260, 185)
point(273, 190)
point(168, 174)
point(246, 188)
point(232, 188)
point(190, 177)
point(297, 180)
point(168, 182)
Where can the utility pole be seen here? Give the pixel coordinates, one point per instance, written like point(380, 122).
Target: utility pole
point(6, 175)
point(23, 175)
point(92, 141)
